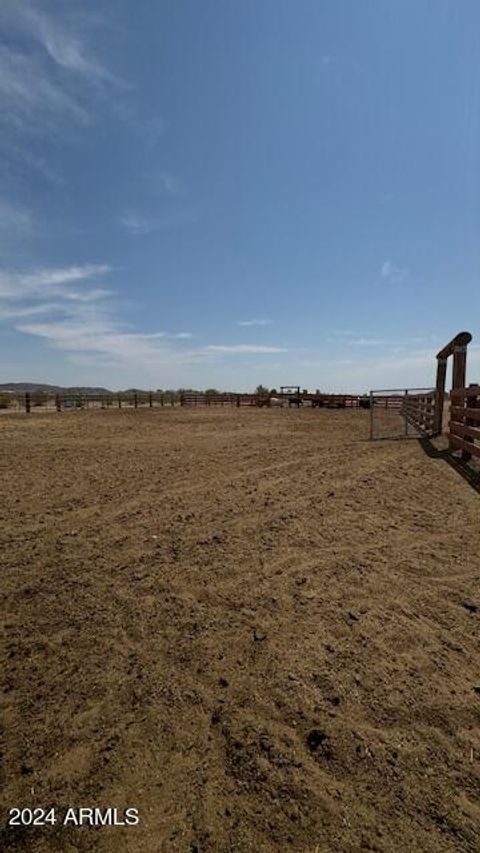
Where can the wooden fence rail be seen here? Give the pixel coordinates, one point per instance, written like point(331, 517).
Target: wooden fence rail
point(464, 429)
point(419, 411)
point(340, 401)
point(65, 401)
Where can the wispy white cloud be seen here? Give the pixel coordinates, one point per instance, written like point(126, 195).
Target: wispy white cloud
point(95, 333)
point(168, 184)
point(45, 64)
point(15, 219)
point(139, 224)
point(25, 89)
point(393, 273)
point(245, 348)
point(65, 275)
point(39, 165)
point(64, 308)
point(255, 322)
point(17, 312)
point(369, 342)
point(60, 37)
point(64, 47)
point(97, 340)
point(45, 283)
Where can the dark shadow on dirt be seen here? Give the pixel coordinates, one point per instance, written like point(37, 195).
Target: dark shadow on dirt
point(465, 469)
point(393, 438)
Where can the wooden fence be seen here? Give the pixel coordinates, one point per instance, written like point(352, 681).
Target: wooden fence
point(334, 401)
point(419, 411)
point(464, 428)
point(395, 412)
point(66, 401)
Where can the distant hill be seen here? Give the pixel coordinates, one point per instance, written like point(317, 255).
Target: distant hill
point(22, 387)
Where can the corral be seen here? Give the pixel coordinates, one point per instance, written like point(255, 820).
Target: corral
point(255, 626)
point(44, 402)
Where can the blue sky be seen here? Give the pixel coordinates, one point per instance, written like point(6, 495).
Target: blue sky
point(225, 193)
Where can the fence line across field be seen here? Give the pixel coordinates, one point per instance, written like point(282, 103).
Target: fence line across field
point(70, 401)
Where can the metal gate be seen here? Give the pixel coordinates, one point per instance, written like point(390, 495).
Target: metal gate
point(402, 413)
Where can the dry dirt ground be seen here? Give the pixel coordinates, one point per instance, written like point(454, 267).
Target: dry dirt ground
point(256, 627)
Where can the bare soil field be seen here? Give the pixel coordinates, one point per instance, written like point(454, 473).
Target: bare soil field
point(256, 627)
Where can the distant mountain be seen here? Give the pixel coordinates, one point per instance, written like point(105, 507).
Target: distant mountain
point(32, 387)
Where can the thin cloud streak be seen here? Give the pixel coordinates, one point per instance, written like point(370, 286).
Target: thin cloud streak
point(245, 348)
point(30, 311)
point(139, 224)
point(45, 283)
point(255, 322)
point(369, 342)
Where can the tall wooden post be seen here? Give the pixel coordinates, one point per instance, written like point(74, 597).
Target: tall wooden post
point(459, 367)
point(457, 347)
point(150, 399)
point(439, 395)
point(135, 400)
point(58, 404)
point(27, 402)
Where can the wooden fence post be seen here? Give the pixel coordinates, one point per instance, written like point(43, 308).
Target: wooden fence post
point(459, 366)
point(150, 399)
point(471, 403)
point(135, 400)
point(119, 402)
point(58, 404)
point(440, 395)
point(27, 402)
